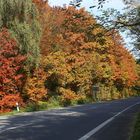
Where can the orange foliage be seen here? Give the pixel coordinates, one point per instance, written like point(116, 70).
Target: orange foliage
point(123, 64)
point(8, 102)
point(11, 72)
point(91, 56)
point(34, 88)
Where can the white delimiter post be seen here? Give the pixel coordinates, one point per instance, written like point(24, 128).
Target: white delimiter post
point(17, 106)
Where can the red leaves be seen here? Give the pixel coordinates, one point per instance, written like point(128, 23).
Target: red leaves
point(8, 102)
point(11, 62)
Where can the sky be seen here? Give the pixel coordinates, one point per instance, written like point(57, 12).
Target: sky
point(116, 4)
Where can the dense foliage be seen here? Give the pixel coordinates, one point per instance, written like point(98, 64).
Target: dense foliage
point(75, 53)
point(11, 72)
point(21, 18)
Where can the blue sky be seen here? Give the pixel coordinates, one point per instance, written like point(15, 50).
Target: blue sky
point(117, 4)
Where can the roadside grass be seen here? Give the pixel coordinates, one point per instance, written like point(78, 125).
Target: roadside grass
point(136, 131)
point(32, 107)
point(14, 112)
point(53, 103)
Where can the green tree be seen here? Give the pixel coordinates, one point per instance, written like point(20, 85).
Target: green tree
point(21, 18)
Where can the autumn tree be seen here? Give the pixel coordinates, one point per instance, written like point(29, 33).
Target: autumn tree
point(11, 72)
point(63, 80)
point(88, 52)
point(123, 65)
point(78, 53)
point(34, 88)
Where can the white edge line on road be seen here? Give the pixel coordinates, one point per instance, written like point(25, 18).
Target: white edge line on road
point(96, 129)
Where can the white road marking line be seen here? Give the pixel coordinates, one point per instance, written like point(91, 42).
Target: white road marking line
point(92, 132)
point(85, 137)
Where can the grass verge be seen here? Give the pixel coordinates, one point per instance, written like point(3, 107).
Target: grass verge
point(136, 132)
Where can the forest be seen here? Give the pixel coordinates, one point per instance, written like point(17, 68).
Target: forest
point(57, 54)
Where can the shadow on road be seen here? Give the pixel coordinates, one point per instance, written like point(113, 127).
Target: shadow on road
point(41, 124)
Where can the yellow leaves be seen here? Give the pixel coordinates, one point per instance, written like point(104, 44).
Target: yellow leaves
point(90, 46)
point(67, 94)
point(81, 97)
point(98, 30)
point(77, 39)
point(58, 61)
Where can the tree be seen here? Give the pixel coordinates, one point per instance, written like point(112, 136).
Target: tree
point(21, 18)
point(11, 72)
point(34, 88)
point(77, 3)
point(128, 21)
point(134, 26)
point(87, 53)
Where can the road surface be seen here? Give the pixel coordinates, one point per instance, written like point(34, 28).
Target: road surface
point(110, 120)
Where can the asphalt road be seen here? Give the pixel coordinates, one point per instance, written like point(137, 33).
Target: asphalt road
point(100, 121)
